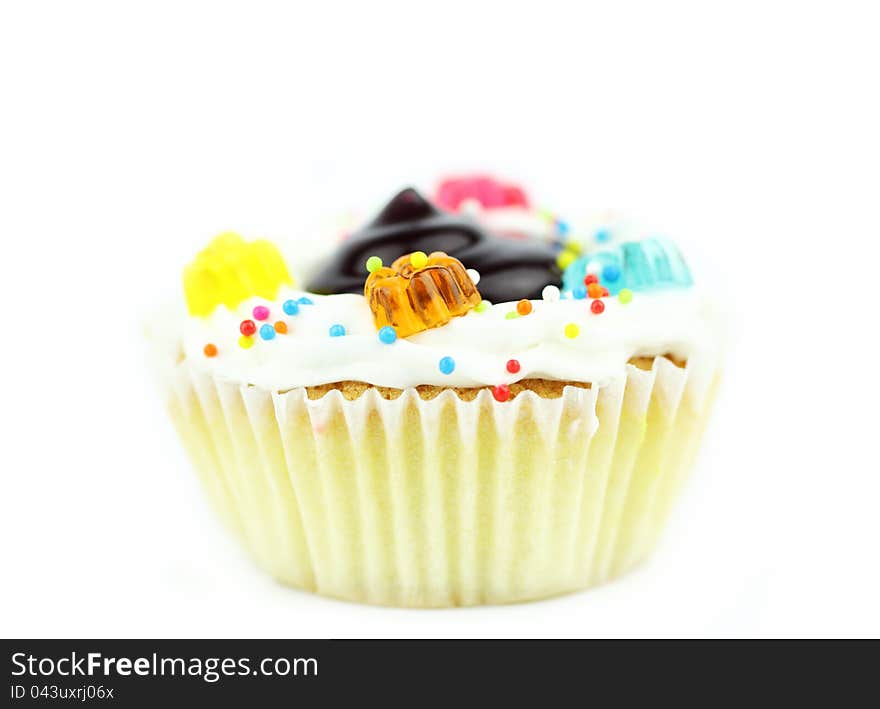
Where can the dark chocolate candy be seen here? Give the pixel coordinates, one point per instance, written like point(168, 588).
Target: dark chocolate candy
point(509, 270)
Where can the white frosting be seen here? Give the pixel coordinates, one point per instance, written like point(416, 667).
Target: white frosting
point(681, 322)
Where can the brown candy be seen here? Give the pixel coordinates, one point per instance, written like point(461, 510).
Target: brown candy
point(412, 298)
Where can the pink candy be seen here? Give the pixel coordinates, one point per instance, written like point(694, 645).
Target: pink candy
point(486, 190)
point(261, 312)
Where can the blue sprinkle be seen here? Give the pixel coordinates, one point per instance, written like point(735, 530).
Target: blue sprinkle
point(337, 330)
point(291, 307)
point(611, 272)
point(603, 235)
point(387, 334)
point(267, 332)
point(447, 365)
point(562, 227)
point(579, 292)
point(304, 301)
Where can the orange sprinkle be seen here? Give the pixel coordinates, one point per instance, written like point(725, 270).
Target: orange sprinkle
point(210, 350)
point(281, 327)
point(594, 290)
point(524, 307)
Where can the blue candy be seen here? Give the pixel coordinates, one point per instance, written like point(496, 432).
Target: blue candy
point(267, 332)
point(337, 330)
point(447, 365)
point(651, 264)
point(291, 307)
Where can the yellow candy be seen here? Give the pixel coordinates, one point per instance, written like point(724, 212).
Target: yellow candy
point(245, 342)
point(230, 270)
point(418, 259)
point(572, 330)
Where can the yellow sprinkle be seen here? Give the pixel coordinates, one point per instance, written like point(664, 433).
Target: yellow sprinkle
point(418, 259)
point(246, 342)
point(625, 295)
point(564, 260)
point(572, 330)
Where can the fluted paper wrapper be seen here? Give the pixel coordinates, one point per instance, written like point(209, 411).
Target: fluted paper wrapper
point(444, 502)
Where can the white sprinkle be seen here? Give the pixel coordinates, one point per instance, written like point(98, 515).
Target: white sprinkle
point(474, 275)
point(550, 294)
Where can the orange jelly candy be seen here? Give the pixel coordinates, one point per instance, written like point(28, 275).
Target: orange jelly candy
point(412, 299)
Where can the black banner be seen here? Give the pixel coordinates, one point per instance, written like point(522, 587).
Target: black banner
point(122, 673)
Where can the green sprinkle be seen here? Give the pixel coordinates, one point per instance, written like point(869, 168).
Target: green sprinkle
point(512, 315)
point(625, 295)
point(374, 263)
point(483, 306)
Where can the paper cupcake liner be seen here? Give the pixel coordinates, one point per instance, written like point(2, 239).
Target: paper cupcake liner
point(444, 502)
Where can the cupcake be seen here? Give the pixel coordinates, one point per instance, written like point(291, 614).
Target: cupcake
point(442, 416)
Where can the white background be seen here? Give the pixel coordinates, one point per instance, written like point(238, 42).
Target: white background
point(130, 136)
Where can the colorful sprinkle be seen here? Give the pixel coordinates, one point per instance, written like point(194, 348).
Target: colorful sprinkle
point(591, 278)
point(572, 330)
point(513, 366)
point(418, 259)
point(512, 315)
point(447, 365)
point(267, 332)
point(387, 334)
point(594, 290)
point(245, 342)
point(579, 292)
point(605, 292)
point(291, 307)
point(551, 294)
point(247, 327)
point(565, 259)
point(524, 307)
point(281, 327)
point(304, 301)
point(562, 227)
point(474, 275)
point(625, 295)
point(501, 392)
point(337, 330)
point(374, 263)
point(261, 312)
point(603, 236)
point(597, 306)
point(210, 350)
point(483, 306)
point(611, 272)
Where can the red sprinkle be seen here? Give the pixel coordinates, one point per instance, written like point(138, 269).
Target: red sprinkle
point(591, 278)
point(605, 293)
point(512, 366)
point(210, 350)
point(247, 327)
point(597, 306)
point(501, 392)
